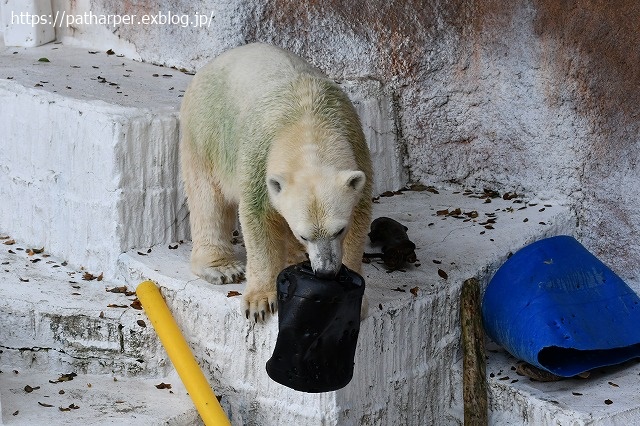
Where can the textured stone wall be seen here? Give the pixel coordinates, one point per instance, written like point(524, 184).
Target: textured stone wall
point(536, 96)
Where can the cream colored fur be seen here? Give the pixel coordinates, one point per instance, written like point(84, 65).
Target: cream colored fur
point(265, 134)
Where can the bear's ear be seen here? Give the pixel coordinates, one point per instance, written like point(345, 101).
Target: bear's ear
point(274, 183)
point(354, 179)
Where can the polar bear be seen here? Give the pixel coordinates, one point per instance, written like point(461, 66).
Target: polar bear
point(266, 135)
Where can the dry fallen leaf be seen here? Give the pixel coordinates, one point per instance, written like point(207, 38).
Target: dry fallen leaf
point(141, 323)
point(414, 291)
point(443, 274)
point(136, 304)
point(234, 293)
point(29, 389)
point(9, 242)
point(44, 405)
point(163, 386)
point(122, 289)
point(64, 378)
point(69, 408)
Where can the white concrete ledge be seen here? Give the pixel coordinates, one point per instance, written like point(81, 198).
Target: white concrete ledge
point(407, 345)
point(105, 399)
point(88, 166)
point(609, 396)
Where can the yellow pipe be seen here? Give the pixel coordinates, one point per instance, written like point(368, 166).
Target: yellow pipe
point(181, 356)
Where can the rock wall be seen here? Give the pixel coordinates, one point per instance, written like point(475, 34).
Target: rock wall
point(536, 96)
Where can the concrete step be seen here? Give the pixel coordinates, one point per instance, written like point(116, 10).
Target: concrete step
point(58, 322)
point(60, 398)
point(54, 321)
point(608, 396)
point(88, 165)
point(408, 343)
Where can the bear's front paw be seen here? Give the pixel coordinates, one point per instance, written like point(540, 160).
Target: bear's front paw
point(258, 303)
point(223, 274)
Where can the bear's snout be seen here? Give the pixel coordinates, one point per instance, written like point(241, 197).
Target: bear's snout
point(325, 257)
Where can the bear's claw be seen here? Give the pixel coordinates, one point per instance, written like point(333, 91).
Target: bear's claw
point(227, 274)
point(257, 305)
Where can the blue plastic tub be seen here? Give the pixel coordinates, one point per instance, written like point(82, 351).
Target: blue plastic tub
point(554, 305)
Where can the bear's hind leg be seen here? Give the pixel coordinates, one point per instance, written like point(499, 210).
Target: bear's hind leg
point(212, 223)
point(213, 219)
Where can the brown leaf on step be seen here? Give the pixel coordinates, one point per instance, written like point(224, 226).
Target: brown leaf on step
point(399, 289)
point(608, 401)
point(44, 405)
point(122, 289)
point(442, 212)
point(456, 212)
point(15, 413)
point(163, 386)
point(29, 389)
point(69, 408)
point(414, 291)
point(535, 373)
point(24, 280)
point(234, 293)
point(443, 274)
point(418, 187)
point(576, 393)
point(64, 378)
point(113, 305)
point(9, 242)
point(141, 323)
point(136, 304)
point(88, 276)
point(613, 384)
point(32, 251)
point(100, 277)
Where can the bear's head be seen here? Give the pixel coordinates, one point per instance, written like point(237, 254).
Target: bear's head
point(318, 205)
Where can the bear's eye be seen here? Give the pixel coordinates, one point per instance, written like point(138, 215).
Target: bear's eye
point(303, 238)
point(337, 234)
